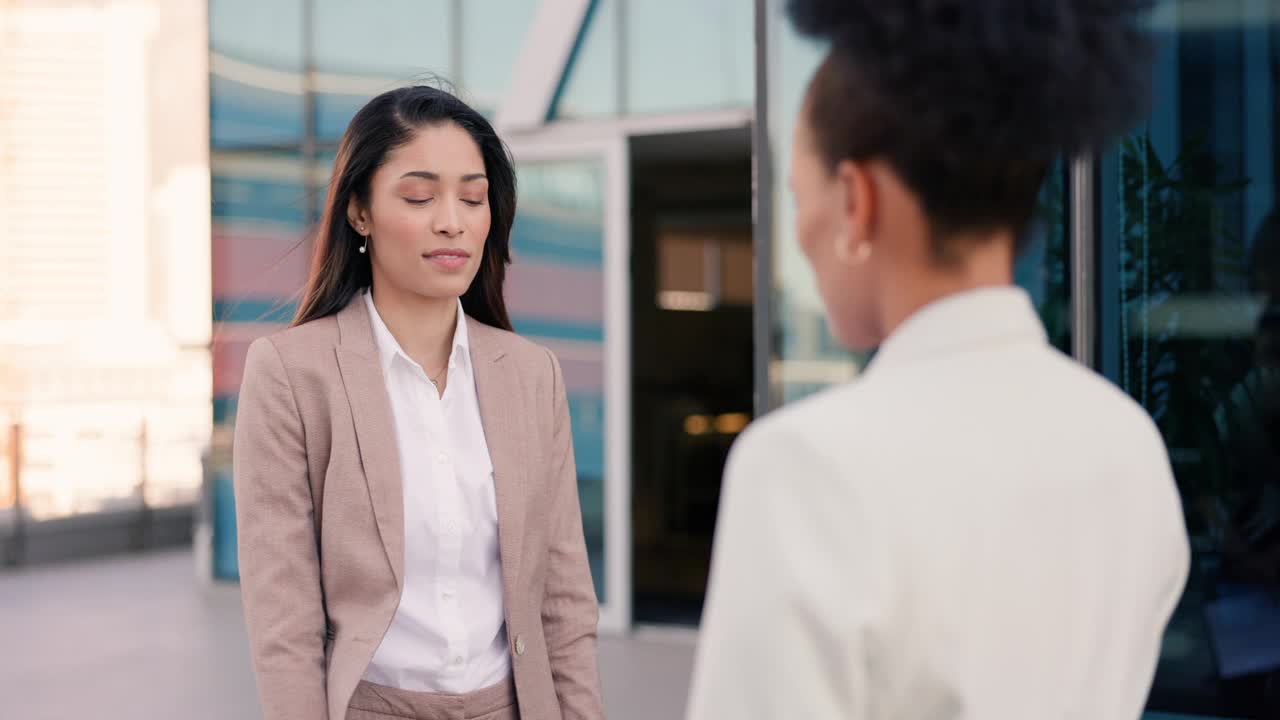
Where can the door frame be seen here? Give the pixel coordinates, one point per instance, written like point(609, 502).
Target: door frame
point(608, 140)
point(611, 151)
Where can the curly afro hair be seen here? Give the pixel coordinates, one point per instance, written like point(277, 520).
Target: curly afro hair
point(971, 101)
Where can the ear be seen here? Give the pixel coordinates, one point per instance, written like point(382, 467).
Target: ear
point(857, 204)
point(358, 217)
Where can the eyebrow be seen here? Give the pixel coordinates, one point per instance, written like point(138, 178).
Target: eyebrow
point(427, 175)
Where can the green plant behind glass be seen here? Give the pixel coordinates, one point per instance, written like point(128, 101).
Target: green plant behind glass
point(1176, 243)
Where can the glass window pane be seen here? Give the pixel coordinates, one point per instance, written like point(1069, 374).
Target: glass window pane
point(255, 73)
point(1189, 271)
point(261, 205)
point(685, 55)
point(363, 49)
point(805, 357)
point(555, 295)
point(590, 84)
point(493, 33)
point(261, 201)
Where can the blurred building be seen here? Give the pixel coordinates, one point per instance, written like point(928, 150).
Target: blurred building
point(104, 270)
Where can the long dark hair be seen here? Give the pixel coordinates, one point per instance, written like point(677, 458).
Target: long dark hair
point(388, 121)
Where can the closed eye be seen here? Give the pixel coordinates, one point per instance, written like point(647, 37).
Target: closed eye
point(417, 201)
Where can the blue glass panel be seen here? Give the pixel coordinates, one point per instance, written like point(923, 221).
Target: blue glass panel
point(493, 33)
point(256, 73)
point(555, 294)
point(684, 56)
point(1189, 326)
point(589, 87)
point(363, 49)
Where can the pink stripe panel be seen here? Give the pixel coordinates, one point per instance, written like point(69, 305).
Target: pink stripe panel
point(582, 365)
point(257, 264)
point(555, 292)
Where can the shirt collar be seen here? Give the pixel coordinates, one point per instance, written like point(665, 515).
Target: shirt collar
point(961, 321)
point(389, 348)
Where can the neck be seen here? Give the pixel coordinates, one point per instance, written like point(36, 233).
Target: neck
point(424, 326)
point(989, 263)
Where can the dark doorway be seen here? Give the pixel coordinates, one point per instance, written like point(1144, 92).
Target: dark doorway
point(691, 356)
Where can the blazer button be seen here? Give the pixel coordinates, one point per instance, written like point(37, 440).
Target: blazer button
point(519, 644)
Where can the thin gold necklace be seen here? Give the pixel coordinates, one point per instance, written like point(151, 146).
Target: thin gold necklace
point(436, 380)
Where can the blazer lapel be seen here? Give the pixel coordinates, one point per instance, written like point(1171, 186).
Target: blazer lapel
point(501, 410)
point(375, 428)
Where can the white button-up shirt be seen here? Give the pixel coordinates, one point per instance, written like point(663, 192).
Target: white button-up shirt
point(976, 529)
point(448, 633)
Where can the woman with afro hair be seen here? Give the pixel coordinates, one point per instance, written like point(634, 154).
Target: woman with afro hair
point(976, 528)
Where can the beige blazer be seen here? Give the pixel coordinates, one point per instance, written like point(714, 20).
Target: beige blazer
point(320, 514)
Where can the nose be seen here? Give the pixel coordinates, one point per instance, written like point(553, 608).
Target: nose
point(448, 222)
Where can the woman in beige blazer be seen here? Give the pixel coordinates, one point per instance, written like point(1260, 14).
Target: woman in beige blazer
point(411, 543)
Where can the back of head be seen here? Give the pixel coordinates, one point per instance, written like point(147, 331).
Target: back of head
point(970, 101)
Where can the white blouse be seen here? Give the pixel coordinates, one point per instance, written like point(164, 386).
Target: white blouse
point(448, 634)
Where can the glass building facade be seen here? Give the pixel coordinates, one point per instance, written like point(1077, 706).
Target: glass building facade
point(285, 79)
point(654, 254)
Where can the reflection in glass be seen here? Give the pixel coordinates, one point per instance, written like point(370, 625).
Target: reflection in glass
point(363, 49)
point(589, 87)
point(256, 64)
point(493, 33)
point(262, 204)
point(684, 56)
point(260, 211)
point(1189, 262)
point(805, 358)
point(555, 295)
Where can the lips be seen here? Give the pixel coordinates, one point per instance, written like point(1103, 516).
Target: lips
point(449, 252)
point(448, 258)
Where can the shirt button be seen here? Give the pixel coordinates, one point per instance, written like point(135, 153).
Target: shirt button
point(442, 458)
point(446, 596)
point(457, 660)
point(452, 527)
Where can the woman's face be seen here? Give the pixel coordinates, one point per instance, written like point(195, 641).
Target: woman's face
point(427, 216)
point(831, 231)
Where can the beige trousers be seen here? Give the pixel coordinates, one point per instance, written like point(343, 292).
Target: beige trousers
point(379, 702)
